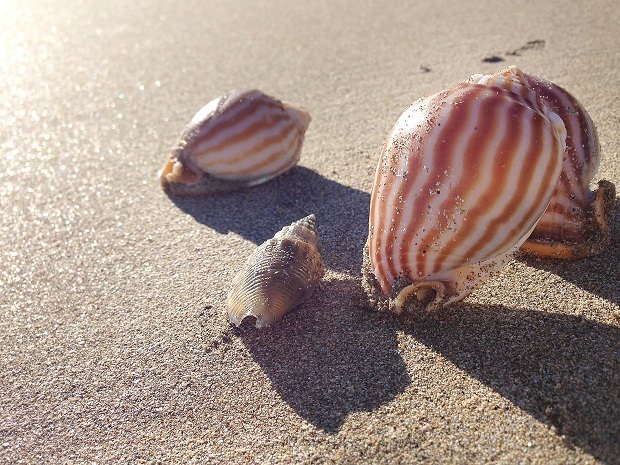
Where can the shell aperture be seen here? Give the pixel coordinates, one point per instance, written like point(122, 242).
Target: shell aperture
point(463, 179)
point(280, 274)
point(242, 138)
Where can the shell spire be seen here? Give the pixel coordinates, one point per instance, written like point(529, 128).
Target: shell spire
point(240, 139)
point(280, 274)
point(463, 179)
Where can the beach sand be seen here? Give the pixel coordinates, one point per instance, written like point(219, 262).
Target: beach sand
point(114, 341)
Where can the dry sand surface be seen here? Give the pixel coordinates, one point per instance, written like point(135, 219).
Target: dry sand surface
point(114, 343)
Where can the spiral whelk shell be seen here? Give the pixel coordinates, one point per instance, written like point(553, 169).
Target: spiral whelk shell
point(462, 181)
point(242, 138)
point(280, 274)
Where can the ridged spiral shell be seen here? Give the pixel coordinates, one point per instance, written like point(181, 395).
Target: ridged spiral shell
point(280, 274)
point(242, 138)
point(462, 181)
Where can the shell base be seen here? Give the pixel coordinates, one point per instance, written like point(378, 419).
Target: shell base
point(415, 304)
point(596, 232)
point(434, 293)
point(205, 184)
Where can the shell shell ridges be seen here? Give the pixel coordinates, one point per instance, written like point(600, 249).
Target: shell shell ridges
point(462, 181)
point(280, 274)
point(240, 139)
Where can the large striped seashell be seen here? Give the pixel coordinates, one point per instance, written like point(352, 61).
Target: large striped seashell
point(576, 222)
point(242, 138)
point(278, 276)
point(463, 179)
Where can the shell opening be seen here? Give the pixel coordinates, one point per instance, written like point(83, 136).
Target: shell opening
point(430, 294)
point(251, 319)
point(175, 171)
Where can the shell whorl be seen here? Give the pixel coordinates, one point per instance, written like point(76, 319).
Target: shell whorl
point(576, 221)
point(242, 138)
point(463, 179)
point(278, 276)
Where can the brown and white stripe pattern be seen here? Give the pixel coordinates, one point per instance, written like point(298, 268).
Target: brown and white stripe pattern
point(575, 223)
point(463, 179)
point(244, 137)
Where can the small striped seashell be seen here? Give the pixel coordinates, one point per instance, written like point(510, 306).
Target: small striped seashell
point(240, 139)
point(576, 222)
point(463, 178)
point(278, 276)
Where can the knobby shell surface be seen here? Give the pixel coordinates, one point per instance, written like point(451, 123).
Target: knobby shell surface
point(242, 138)
point(462, 181)
point(280, 274)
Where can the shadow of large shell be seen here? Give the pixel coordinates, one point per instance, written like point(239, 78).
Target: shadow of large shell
point(278, 276)
point(462, 181)
point(240, 139)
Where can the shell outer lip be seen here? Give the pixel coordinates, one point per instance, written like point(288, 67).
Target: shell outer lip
point(392, 304)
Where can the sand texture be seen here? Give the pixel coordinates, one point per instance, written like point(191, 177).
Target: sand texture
point(114, 341)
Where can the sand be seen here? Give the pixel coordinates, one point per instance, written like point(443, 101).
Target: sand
point(114, 343)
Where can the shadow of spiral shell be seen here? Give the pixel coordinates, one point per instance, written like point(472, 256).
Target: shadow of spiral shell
point(561, 369)
point(257, 213)
point(329, 358)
